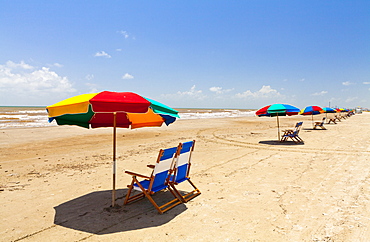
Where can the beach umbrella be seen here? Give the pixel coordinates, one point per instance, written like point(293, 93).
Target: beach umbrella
point(111, 109)
point(311, 110)
point(328, 110)
point(277, 110)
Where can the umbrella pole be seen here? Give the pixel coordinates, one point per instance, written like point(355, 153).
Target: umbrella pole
point(114, 159)
point(312, 119)
point(277, 118)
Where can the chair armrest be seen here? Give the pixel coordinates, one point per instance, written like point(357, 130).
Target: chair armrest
point(136, 174)
point(151, 166)
point(288, 131)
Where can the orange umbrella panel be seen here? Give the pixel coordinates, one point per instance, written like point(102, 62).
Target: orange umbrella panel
point(149, 119)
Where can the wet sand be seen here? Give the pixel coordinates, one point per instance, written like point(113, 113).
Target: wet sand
point(55, 182)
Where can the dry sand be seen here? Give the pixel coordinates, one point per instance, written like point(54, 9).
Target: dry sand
point(55, 183)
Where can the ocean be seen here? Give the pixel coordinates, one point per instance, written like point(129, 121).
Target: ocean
point(28, 117)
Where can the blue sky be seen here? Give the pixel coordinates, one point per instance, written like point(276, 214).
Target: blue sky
point(205, 54)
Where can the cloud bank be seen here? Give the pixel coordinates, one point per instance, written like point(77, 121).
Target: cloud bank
point(264, 92)
point(24, 80)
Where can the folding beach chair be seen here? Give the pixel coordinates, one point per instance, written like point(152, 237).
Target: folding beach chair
point(293, 134)
point(332, 120)
point(157, 181)
point(319, 124)
point(182, 170)
point(337, 118)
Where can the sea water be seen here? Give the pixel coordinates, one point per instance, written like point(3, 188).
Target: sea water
point(26, 117)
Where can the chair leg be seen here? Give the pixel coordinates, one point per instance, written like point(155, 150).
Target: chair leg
point(130, 198)
point(188, 196)
point(161, 209)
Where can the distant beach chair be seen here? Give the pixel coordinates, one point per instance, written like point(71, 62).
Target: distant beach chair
point(181, 172)
point(157, 181)
point(332, 120)
point(337, 118)
point(319, 124)
point(293, 134)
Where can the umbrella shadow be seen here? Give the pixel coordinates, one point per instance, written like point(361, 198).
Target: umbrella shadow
point(92, 213)
point(276, 142)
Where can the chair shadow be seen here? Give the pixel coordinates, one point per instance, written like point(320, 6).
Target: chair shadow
point(276, 142)
point(93, 213)
point(310, 129)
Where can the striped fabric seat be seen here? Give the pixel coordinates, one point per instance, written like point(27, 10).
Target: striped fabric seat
point(182, 172)
point(156, 182)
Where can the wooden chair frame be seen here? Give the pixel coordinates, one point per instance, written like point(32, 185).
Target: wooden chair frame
point(149, 190)
point(332, 120)
point(319, 124)
point(293, 134)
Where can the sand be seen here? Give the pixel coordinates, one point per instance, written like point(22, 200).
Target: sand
point(55, 182)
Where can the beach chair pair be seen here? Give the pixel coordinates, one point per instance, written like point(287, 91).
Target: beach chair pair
point(171, 168)
point(293, 134)
point(319, 124)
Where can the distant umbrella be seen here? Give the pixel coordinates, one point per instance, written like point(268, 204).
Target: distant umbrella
point(311, 110)
point(328, 110)
point(277, 110)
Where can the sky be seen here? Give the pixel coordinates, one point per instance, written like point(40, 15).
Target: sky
point(187, 54)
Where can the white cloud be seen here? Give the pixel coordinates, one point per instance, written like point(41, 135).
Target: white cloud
point(192, 92)
point(124, 33)
point(93, 88)
point(102, 54)
point(366, 83)
point(347, 83)
point(220, 90)
point(190, 98)
point(118, 50)
point(127, 76)
point(89, 77)
point(13, 66)
point(58, 65)
point(216, 89)
point(319, 93)
point(264, 92)
point(302, 80)
point(21, 78)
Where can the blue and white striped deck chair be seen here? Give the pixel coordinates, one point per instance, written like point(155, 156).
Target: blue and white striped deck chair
point(156, 182)
point(181, 171)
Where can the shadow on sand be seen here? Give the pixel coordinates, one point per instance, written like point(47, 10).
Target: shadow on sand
point(92, 213)
point(276, 142)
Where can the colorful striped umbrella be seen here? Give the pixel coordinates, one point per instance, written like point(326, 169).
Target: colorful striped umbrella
point(311, 110)
point(277, 110)
point(328, 110)
point(111, 109)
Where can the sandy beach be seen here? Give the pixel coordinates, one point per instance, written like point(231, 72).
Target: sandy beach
point(55, 182)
